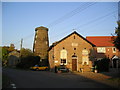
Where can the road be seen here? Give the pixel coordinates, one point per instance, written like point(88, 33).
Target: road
point(46, 79)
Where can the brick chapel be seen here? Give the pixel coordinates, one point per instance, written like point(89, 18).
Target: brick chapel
point(74, 51)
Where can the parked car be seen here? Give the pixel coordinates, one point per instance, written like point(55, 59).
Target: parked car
point(62, 69)
point(37, 68)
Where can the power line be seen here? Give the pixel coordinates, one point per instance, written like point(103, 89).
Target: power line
point(72, 13)
point(66, 16)
point(93, 21)
point(90, 22)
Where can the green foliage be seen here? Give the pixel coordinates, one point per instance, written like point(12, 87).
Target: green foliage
point(4, 55)
point(44, 62)
point(27, 62)
point(27, 59)
point(11, 48)
point(26, 52)
point(116, 40)
point(102, 65)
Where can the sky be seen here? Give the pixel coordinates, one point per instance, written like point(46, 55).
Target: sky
point(19, 20)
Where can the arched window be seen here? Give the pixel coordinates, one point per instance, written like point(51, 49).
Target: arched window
point(63, 57)
point(85, 59)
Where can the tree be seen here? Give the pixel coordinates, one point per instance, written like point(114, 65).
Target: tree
point(11, 48)
point(27, 62)
point(116, 40)
point(26, 52)
point(4, 55)
point(27, 59)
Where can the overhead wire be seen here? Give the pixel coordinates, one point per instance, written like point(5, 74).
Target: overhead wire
point(88, 23)
point(93, 21)
point(66, 16)
point(72, 13)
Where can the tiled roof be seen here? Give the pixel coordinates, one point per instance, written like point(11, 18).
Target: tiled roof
point(102, 41)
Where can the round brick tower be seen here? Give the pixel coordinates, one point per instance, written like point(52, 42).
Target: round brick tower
point(41, 42)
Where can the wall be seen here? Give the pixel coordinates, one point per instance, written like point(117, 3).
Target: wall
point(41, 42)
point(69, 44)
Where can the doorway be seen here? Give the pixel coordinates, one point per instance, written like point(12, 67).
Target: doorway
point(74, 64)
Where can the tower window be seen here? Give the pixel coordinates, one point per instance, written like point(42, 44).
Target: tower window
point(36, 36)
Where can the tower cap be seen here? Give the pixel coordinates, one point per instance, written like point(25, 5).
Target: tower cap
point(41, 28)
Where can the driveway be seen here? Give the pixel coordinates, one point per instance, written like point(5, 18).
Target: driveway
point(46, 79)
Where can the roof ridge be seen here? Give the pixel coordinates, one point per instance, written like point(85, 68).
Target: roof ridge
point(74, 32)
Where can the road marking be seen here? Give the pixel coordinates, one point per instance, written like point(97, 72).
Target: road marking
point(13, 85)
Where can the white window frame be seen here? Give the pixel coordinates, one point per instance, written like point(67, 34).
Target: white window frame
point(74, 44)
point(63, 55)
point(101, 50)
point(63, 63)
point(85, 59)
point(85, 54)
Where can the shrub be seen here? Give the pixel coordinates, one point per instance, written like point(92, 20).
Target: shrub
point(102, 65)
point(27, 62)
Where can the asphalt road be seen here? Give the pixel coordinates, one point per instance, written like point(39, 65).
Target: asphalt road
point(46, 79)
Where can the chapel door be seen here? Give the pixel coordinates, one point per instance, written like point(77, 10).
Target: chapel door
point(74, 64)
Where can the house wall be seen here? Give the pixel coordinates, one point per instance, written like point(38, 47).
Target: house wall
point(71, 42)
point(51, 58)
point(109, 53)
point(13, 58)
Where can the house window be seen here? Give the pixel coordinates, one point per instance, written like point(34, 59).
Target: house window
point(85, 52)
point(63, 61)
point(101, 50)
point(63, 57)
point(85, 59)
point(74, 44)
point(114, 50)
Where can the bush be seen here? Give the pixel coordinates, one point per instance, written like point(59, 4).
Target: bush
point(102, 65)
point(27, 62)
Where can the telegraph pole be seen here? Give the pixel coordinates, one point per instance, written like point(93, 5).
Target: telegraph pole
point(21, 43)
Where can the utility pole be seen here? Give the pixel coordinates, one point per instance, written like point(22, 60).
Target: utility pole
point(21, 43)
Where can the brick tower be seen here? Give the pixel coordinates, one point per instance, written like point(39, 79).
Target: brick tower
point(41, 42)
